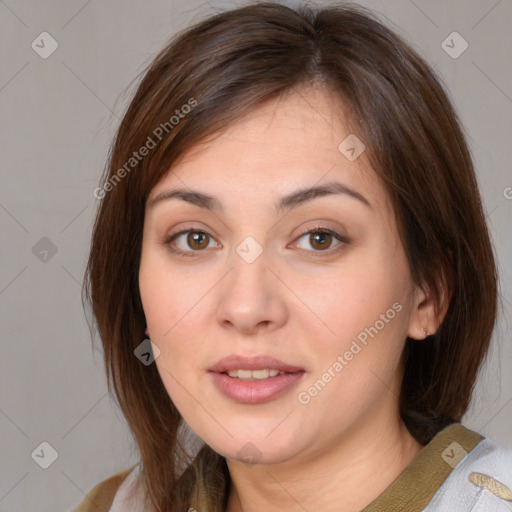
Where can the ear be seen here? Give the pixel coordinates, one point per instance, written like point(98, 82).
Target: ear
point(425, 317)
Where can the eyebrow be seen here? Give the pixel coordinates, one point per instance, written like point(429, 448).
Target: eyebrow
point(286, 203)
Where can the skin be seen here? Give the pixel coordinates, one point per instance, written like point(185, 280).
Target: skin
point(339, 451)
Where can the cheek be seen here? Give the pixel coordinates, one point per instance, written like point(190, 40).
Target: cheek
point(168, 298)
point(366, 311)
point(178, 363)
point(359, 299)
point(173, 306)
point(357, 367)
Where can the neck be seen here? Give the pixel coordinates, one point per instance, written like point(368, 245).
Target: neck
point(344, 478)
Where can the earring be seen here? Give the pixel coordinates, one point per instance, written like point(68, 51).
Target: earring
point(425, 330)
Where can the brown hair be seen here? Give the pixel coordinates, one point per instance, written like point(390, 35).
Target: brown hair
point(225, 66)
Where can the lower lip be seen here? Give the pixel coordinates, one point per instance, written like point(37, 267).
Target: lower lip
point(255, 391)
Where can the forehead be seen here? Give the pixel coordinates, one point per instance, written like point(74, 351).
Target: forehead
point(291, 141)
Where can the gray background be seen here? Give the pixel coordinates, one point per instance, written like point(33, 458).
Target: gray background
point(58, 116)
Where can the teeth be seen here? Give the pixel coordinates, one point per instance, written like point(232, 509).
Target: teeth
point(254, 374)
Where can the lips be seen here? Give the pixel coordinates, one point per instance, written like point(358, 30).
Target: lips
point(237, 362)
point(259, 390)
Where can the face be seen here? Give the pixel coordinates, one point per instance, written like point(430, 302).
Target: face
point(318, 281)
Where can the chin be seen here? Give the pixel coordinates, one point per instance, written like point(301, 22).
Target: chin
point(256, 450)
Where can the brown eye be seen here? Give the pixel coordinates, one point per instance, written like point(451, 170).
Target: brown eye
point(321, 240)
point(185, 243)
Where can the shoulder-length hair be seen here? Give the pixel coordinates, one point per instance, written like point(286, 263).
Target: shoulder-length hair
point(208, 77)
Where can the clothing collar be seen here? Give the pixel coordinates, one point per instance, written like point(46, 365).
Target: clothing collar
point(415, 487)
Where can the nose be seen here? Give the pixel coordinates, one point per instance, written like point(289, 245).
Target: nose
point(252, 298)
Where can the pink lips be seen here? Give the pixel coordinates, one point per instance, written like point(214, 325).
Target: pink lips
point(257, 391)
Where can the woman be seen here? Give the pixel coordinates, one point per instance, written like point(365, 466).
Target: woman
point(291, 260)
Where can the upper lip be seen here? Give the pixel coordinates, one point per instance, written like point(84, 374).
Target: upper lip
point(238, 362)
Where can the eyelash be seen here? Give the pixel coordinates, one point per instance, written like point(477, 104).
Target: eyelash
point(317, 229)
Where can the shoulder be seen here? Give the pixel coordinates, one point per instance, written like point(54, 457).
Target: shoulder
point(480, 480)
point(101, 496)
point(493, 460)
